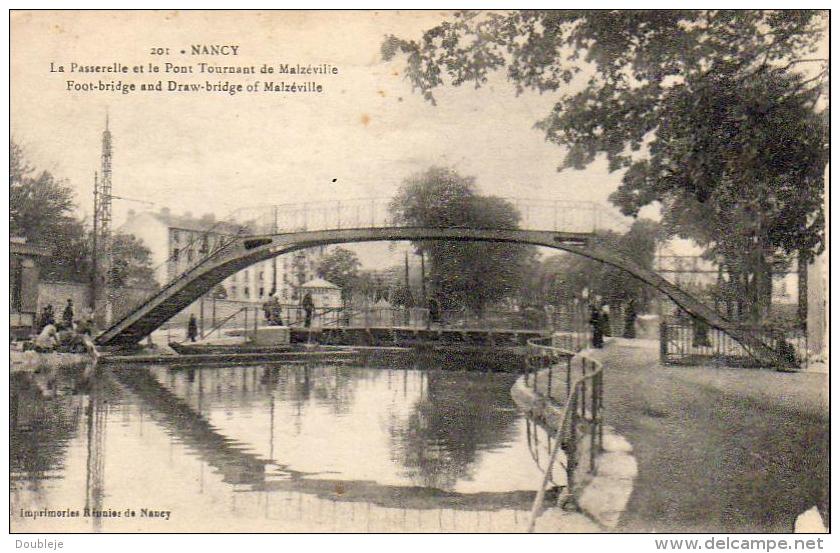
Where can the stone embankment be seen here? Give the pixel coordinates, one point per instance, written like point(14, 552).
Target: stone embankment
point(34, 361)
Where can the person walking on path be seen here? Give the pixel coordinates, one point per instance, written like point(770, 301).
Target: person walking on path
point(192, 328)
point(308, 308)
point(597, 328)
point(630, 319)
point(67, 316)
point(606, 329)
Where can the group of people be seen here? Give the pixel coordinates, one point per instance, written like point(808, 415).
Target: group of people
point(599, 320)
point(68, 335)
point(272, 311)
point(47, 316)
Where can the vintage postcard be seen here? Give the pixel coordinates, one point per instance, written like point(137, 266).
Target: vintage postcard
point(419, 272)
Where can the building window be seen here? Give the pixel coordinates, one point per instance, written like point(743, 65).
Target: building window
point(189, 256)
point(262, 275)
point(247, 292)
point(176, 236)
point(175, 254)
point(233, 291)
point(262, 291)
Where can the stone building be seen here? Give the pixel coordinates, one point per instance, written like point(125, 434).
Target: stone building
point(24, 277)
point(178, 242)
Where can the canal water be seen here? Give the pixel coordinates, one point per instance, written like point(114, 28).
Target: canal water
point(271, 449)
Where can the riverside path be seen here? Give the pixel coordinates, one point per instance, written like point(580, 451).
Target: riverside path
point(718, 449)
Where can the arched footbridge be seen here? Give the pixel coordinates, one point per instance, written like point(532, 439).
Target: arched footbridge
point(242, 251)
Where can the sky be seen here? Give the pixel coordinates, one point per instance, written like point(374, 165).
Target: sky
point(213, 152)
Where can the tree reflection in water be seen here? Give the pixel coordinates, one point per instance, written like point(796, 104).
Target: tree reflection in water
point(45, 414)
point(458, 415)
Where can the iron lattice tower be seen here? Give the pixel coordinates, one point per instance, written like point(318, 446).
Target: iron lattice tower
point(102, 198)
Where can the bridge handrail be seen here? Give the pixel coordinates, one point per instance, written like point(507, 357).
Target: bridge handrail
point(175, 280)
point(218, 325)
point(566, 434)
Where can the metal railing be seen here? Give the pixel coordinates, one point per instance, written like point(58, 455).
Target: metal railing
point(695, 343)
point(222, 245)
point(534, 214)
point(581, 399)
point(217, 327)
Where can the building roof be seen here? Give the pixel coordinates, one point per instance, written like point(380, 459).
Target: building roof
point(206, 223)
point(18, 246)
point(319, 283)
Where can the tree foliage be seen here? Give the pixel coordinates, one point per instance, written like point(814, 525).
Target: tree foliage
point(341, 267)
point(462, 274)
point(41, 210)
point(565, 276)
point(39, 205)
point(715, 115)
point(132, 262)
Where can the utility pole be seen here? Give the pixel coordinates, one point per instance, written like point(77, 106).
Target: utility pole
point(423, 278)
point(802, 290)
point(274, 259)
point(409, 301)
point(407, 288)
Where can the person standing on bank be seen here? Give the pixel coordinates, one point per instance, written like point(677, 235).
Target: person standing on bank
point(267, 310)
point(308, 308)
point(49, 315)
point(276, 318)
point(67, 316)
point(630, 319)
point(606, 329)
point(597, 327)
point(434, 310)
point(192, 328)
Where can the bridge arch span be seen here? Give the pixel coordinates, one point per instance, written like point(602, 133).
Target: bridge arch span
point(247, 250)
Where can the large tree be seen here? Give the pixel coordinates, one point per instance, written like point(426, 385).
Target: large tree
point(132, 262)
point(41, 210)
point(463, 274)
point(714, 115)
point(341, 267)
point(39, 204)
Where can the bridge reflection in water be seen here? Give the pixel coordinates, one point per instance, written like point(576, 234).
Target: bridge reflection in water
point(289, 448)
